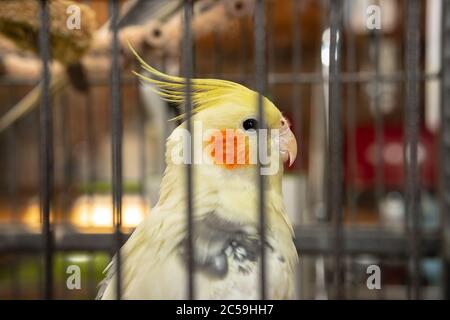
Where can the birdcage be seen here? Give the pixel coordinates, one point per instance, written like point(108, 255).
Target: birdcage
point(364, 83)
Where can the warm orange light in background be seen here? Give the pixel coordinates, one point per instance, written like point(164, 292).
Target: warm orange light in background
point(32, 215)
point(96, 211)
point(93, 212)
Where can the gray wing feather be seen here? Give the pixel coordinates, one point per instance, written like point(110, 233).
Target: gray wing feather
point(216, 241)
point(212, 237)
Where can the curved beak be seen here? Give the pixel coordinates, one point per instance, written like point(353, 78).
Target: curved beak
point(288, 144)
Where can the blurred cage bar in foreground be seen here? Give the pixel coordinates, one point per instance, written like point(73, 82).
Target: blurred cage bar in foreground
point(333, 245)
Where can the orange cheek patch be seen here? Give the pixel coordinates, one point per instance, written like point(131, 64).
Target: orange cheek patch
point(230, 148)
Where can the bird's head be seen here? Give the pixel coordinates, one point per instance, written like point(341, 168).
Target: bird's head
point(225, 124)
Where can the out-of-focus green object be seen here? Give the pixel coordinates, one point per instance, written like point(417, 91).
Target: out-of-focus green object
point(28, 275)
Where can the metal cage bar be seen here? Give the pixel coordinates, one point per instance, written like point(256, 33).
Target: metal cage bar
point(445, 149)
point(296, 66)
point(260, 83)
point(335, 240)
point(378, 115)
point(46, 150)
point(412, 117)
point(116, 139)
point(335, 145)
point(351, 113)
point(188, 65)
point(309, 240)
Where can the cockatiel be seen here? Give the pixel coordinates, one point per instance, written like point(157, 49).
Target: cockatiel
point(225, 204)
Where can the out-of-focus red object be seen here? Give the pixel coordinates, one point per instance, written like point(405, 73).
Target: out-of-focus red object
point(393, 157)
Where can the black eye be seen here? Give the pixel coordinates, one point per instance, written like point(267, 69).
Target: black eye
point(250, 124)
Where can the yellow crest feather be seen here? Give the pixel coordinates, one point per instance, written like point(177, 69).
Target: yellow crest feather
point(204, 92)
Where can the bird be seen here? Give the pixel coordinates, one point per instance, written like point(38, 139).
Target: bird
point(226, 238)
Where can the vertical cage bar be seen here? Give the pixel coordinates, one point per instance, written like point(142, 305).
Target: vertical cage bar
point(351, 117)
point(116, 136)
point(260, 82)
point(411, 140)
point(296, 65)
point(379, 123)
point(46, 150)
point(297, 107)
point(335, 142)
point(445, 148)
point(351, 113)
point(318, 189)
point(379, 126)
point(188, 74)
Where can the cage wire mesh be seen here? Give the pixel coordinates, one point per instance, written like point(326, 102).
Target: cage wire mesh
point(369, 106)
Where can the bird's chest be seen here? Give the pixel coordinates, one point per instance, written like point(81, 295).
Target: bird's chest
point(227, 259)
point(242, 278)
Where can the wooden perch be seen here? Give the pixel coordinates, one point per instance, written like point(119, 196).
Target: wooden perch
point(58, 81)
point(25, 67)
point(153, 37)
point(166, 37)
point(19, 22)
point(148, 35)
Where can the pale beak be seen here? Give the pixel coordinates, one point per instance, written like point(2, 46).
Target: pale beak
point(288, 144)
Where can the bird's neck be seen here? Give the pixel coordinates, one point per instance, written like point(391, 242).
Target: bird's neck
point(233, 195)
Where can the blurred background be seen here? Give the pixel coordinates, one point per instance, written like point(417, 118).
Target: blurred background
point(406, 236)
